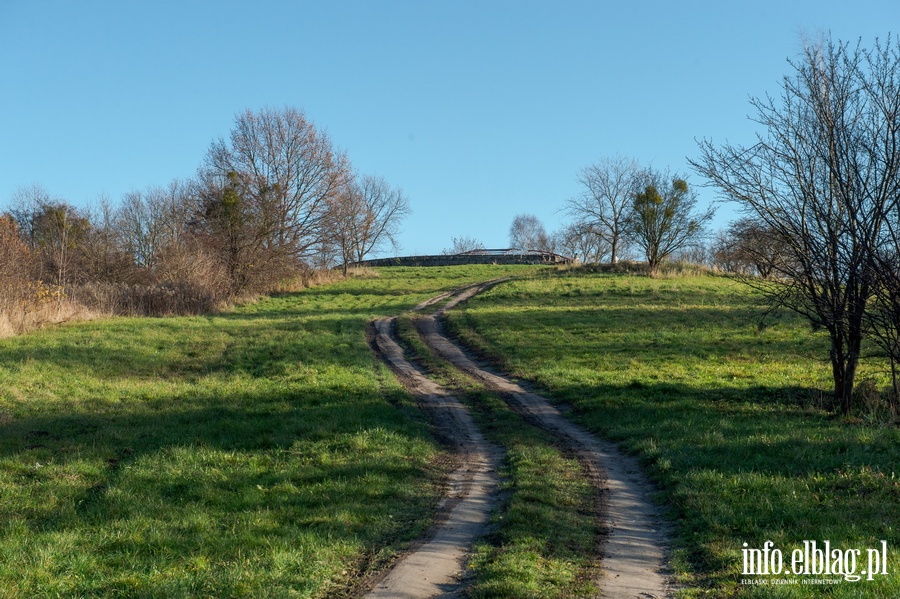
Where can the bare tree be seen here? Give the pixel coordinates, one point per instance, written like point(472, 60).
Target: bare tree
point(279, 174)
point(366, 217)
point(527, 233)
point(606, 203)
point(231, 230)
point(384, 208)
point(53, 230)
point(697, 254)
point(141, 226)
point(663, 218)
point(27, 202)
point(101, 254)
point(882, 319)
point(749, 247)
point(581, 241)
point(463, 244)
point(152, 222)
point(822, 177)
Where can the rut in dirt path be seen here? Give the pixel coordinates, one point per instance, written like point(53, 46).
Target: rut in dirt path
point(634, 557)
point(435, 566)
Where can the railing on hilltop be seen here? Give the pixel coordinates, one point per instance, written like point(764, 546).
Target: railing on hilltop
point(483, 256)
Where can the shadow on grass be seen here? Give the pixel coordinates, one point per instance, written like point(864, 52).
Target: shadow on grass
point(749, 465)
point(747, 424)
point(233, 478)
point(139, 445)
point(254, 345)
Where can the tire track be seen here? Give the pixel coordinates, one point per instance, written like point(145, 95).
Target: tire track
point(434, 567)
point(636, 539)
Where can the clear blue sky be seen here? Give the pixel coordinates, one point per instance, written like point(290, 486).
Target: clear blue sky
point(479, 110)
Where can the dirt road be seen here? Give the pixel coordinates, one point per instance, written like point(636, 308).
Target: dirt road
point(434, 568)
point(634, 552)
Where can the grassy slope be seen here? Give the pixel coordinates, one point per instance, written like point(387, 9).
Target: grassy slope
point(723, 414)
point(262, 452)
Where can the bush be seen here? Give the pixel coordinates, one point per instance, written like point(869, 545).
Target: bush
point(160, 299)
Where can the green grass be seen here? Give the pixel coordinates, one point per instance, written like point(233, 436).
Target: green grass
point(724, 414)
point(262, 452)
point(545, 536)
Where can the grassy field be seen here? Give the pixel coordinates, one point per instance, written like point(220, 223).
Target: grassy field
point(259, 453)
point(724, 412)
point(265, 452)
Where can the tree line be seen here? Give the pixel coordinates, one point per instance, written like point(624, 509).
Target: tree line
point(623, 207)
point(273, 201)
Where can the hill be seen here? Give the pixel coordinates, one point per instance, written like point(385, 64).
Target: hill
point(267, 452)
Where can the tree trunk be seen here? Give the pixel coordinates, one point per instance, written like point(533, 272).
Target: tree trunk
point(837, 373)
point(895, 397)
point(843, 368)
point(653, 262)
